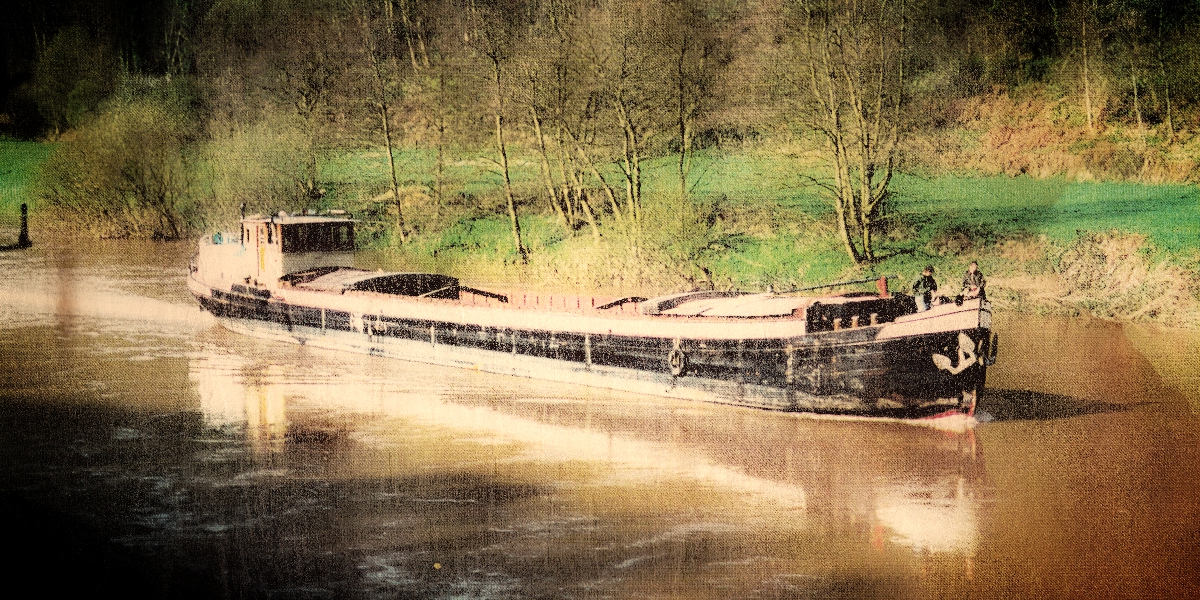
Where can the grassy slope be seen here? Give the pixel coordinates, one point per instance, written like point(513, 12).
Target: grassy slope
point(773, 227)
point(769, 224)
point(994, 207)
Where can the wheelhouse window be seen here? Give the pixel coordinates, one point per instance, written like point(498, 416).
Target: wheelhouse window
point(318, 237)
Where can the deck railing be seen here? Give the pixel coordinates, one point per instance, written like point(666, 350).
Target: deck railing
point(550, 301)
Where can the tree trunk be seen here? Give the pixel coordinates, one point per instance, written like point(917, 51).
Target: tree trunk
point(848, 213)
point(310, 171)
point(586, 207)
point(845, 233)
point(1137, 113)
point(547, 177)
point(563, 158)
point(387, 138)
point(1137, 106)
point(500, 146)
point(382, 106)
point(1087, 89)
point(508, 195)
point(439, 167)
point(632, 167)
point(685, 138)
point(1170, 122)
point(581, 196)
point(612, 195)
point(412, 55)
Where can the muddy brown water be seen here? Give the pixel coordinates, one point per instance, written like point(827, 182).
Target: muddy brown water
point(148, 452)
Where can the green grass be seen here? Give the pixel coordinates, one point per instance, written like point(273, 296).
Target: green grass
point(748, 178)
point(19, 162)
point(1167, 214)
point(350, 176)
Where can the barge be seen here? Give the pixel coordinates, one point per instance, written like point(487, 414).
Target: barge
point(864, 354)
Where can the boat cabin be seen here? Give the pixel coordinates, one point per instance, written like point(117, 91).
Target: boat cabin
point(269, 247)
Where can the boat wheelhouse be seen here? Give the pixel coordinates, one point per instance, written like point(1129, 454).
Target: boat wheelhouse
point(292, 278)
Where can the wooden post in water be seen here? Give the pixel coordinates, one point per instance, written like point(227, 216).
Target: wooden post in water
point(23, 239)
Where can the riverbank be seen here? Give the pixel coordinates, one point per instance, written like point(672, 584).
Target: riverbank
point(1116, 250)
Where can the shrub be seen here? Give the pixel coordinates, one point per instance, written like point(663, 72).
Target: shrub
point(1113, 275)
point(261, 165)
point(124, 174)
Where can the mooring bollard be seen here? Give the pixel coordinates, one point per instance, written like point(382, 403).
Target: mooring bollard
point(23, 240)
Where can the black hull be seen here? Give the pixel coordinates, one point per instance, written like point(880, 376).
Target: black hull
point(843, 372)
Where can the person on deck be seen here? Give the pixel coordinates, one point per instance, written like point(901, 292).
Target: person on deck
point(923, 288)
point(973, 282)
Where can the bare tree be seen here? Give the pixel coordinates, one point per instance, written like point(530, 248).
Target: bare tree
point(431, 34)
point(628, 70)
point(376, 27)
point(176, 45)
point(1163, 49)
point(1093, 20)
point(553, 93)
point(849, 80)
point(541, 95)
point(492, 36)
point(700, 44)
point(1085, 46)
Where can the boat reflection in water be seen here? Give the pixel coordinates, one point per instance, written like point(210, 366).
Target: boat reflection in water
point(231, 397)
point(938, 518)
point(642, 486)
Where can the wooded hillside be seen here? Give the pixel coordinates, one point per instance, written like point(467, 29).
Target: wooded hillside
point(436, 121)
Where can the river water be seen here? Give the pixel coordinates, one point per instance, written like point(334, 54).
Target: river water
point(148, 452)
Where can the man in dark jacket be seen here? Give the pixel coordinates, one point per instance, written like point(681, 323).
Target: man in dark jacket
point(973, 282)
point(923, 288)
